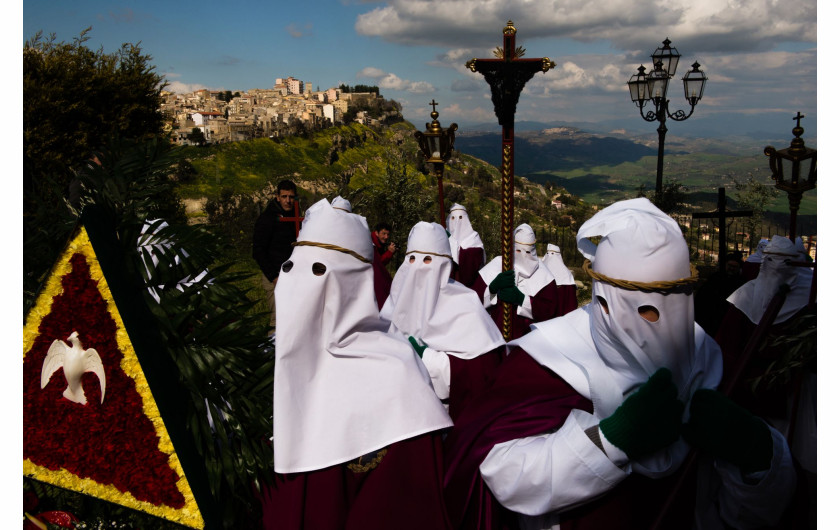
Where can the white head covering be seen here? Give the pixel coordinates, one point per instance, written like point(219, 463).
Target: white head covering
point(757, 256)
point(753, 297)
point(639, 243)
point(461, 231)
point(343, 387)
point(342, 204)
point(437, 311)
point(553, 259)
point(531, 274)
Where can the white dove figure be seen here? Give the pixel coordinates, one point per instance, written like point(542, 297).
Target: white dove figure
point(75, 361)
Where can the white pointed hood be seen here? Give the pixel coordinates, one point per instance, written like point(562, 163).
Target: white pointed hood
point(436, 310)
point(461, 231)
point(343, 386)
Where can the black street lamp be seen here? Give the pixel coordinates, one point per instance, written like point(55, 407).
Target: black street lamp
point(437, 144)
point(794, 170)
point(654, 87)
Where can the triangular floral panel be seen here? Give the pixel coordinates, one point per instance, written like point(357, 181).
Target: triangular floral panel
point(115, 446)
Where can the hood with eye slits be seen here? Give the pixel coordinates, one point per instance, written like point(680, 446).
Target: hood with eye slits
point(343, 386)
point(461, 231)
point(426, 304)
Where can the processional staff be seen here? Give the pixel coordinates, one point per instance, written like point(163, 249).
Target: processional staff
point(507, 75)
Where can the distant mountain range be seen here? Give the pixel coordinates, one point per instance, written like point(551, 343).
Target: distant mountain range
point(770, 127)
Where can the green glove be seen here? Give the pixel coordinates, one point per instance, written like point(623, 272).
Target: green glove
point(725, 430)
point(648, 420)
point(512, 295)
point(502, 280)
point(417, 347)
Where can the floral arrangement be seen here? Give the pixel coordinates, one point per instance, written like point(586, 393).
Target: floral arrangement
point(117, 449)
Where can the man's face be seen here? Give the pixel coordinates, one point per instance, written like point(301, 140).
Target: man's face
point(286, 198)
point(383, 235)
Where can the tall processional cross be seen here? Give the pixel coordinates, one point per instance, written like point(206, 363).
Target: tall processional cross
point(507, 75)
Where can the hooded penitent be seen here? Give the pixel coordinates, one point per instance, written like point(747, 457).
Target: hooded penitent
point(461, 231)
point(641, 263)
point(554, 261)
point(530, 277)
point(426, 304)
point(343, 386)
point(753, 297)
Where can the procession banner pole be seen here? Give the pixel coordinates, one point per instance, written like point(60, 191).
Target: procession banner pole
point(507, 75)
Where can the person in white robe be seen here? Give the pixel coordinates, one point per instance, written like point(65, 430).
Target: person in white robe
point(442, 319)
point(465, 244)
point(529, 286)
point(648, 370)
point(563, 279)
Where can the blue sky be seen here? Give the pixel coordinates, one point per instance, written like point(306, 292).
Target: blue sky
point(760, 55)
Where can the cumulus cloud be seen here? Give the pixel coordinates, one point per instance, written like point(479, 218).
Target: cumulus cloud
point(179, 87)
point(467, 85)
point(713, 25)
point(390, 81)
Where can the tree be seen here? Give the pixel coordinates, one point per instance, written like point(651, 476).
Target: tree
point(73, 99)
point(197, 137)
point(751, 194)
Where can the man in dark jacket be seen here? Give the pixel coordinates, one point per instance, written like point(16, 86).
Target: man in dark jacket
point(273, 238)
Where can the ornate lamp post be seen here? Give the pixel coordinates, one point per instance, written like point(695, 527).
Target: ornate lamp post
point(437, 144)
point(653, 87)
point(794, 170)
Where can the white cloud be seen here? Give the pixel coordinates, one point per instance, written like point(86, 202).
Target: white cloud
point(179, 87)
point(714, 25)
point(390, 81)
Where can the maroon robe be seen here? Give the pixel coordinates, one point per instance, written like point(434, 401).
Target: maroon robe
point(749, 270)
point(403, 491)
point(566, 299)
point(524, 400)
point(468, 378)
point(470, 261)
point(543, 307)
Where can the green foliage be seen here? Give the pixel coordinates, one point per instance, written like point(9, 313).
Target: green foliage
point(74, 98)
point(752, 194)
point(358, 89)
point(196, 136)
point(217, 342)
point(797, 347)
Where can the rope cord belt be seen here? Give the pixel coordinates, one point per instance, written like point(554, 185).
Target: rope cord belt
point(664, 287)
point(330, 247)
point(430, 253)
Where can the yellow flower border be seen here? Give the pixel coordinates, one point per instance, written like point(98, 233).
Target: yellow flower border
point(189, 515)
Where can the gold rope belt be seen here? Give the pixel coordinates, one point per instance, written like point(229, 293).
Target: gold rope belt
point(664, 287)
point(430, 253)
point(330, 247)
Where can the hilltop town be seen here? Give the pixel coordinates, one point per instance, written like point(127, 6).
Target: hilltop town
point(289, 107)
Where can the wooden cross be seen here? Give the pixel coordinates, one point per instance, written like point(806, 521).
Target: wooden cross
point(507, 75)
point(296, 218)
point(721, 214)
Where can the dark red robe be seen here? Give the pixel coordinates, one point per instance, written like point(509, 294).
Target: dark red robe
point(469, 378)
point(566, 299)
point(470, 261)
point(403, 491)
point(543, 307)
point(527, 399)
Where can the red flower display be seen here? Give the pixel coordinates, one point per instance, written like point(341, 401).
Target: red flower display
point(113, 442)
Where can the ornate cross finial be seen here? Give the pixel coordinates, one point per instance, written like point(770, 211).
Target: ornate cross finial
point(798, 117)
point(434, 105)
